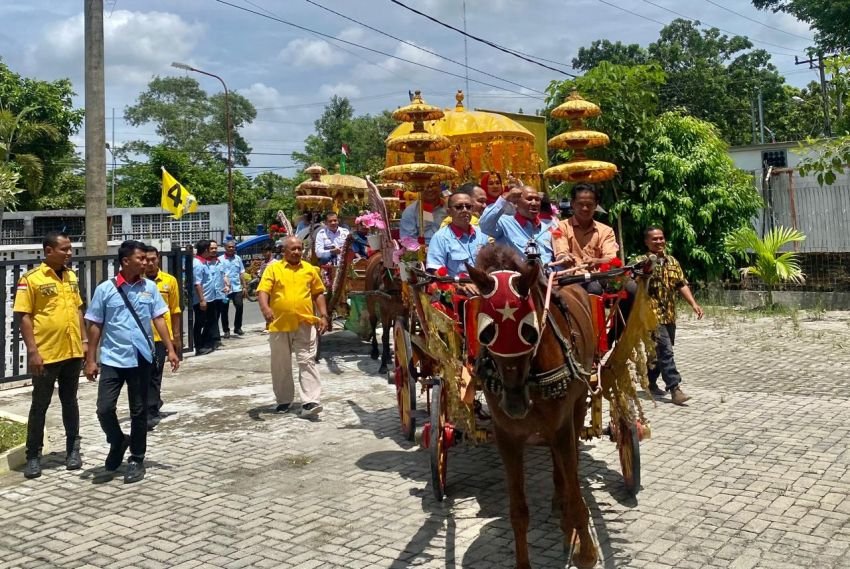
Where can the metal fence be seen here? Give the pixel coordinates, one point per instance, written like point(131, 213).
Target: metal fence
point(91, 271)
point(179, 238)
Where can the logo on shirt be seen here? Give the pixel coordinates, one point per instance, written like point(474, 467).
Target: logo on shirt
point(48, 290)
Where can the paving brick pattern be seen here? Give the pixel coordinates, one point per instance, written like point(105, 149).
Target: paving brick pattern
point(754, 473)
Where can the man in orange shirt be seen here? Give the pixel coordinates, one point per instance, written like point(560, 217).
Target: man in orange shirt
point(580, 239)
point(290, 293)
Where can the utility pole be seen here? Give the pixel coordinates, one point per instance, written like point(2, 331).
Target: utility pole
point(466, 59)
point(95, 238)
point(753, 117)
point(827, 125)
point(761, 118)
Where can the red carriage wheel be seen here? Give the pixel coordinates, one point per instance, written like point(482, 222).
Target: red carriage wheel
point(440, 439)
point(405, 383)
point(628, 447)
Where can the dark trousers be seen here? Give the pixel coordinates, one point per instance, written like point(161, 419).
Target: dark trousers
point(214, 308)
point(206, 323)
point(665, 365)
point(67, 373)
point(112, 379)
point(155, 388)
point(236, 301)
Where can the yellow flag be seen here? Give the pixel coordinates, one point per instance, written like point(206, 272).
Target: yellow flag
point(176, 198)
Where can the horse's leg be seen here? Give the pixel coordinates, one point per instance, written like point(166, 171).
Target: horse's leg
point(387, 325)
point(574, 514)
point(511, 450)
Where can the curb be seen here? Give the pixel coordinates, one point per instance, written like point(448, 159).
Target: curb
point(16, 457)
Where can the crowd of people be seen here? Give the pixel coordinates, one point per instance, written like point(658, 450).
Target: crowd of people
point(134, 320)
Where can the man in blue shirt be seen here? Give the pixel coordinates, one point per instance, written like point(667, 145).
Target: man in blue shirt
point(433, 214)
point(221, 288)
point(330, 240)
point(514, 220)
point(457, 243)
point(121, 313)
point(203, 295)
point(234, 269)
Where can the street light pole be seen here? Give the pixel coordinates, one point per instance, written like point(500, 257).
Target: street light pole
point(109, 148)
point(229, 139)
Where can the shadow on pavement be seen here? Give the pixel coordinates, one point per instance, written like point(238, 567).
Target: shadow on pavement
point(476, 488)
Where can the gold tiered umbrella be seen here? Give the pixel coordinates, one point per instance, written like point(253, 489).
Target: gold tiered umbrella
point(578, 139)
point(345, 188)
point(312, 194)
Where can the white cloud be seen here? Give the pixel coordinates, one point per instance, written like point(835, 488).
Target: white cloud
point(352, 34)
point(395, 66)
point(137, 45)
point(340, 90)
point(304, 52)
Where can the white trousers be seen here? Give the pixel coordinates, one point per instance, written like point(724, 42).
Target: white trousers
point(302, 343)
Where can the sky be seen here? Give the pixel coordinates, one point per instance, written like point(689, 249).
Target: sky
point(290, 74)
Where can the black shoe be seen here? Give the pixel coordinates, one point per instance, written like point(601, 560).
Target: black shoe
point(218, 345)
point(227, 335)
point(135, 471)
point(655, 390)
point(73, 460)
point(239, 332)
point(116, 454)
point(282, 408)
point(33, 468)
point(203, 351)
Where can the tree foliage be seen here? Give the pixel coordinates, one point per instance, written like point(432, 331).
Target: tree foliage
point(770, 266)
point(829, 18)
point(674, 169)
point(364, 134)
point(617, 53)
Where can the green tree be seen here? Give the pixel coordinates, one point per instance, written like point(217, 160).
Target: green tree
point(674, 170)
point(278, 193)
point(186, 117)
point(365, 136)
point(604, 50)
point(829, 18)
point(769, 265)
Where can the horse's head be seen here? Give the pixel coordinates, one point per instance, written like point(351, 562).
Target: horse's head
point(508, 327)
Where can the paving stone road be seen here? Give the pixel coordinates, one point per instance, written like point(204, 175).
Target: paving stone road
point(753, 473)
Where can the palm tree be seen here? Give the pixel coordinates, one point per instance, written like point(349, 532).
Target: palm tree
point(771, 267)
point(16, 130)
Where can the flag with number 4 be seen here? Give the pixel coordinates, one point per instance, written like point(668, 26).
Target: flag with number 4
point(175, 197)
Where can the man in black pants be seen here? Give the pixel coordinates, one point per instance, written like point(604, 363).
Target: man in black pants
point(47, 304)
point(203, 294)
point(121, 313)
point(235, 271)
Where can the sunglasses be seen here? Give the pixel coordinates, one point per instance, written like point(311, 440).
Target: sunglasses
point(462, 206)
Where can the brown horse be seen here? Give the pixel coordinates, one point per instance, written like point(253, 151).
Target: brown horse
point(383, 297)
point(533, 373)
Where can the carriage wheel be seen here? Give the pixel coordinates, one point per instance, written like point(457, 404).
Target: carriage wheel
point(628, 446)
point(405, 383)
point(438, 443)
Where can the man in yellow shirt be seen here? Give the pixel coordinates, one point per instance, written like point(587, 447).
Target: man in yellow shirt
point(170, 293)
point(290, 293)
point(47, 304)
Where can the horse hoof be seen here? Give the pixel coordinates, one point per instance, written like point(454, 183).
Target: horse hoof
point(583, 557)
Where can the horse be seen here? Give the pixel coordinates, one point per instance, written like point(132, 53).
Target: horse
point(534, 368)
point(383, 296)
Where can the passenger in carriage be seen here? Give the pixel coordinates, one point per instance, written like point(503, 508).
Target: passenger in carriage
point(514, 220)
point(433, 214)
point(458, 243)
point(580, 239)
point(479, 202)
point(360, 243)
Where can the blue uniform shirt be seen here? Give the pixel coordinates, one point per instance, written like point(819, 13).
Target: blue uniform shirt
point(498, 222)
point(203, 276)
point(122, 341)
point(450, 250)
point(217, 272)
point(233, 268)
point(408, 226)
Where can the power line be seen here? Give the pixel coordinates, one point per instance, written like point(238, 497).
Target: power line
point(434, 53)
point(305, 29)
point(481, 40)
point(722, 7)
point(679, 14)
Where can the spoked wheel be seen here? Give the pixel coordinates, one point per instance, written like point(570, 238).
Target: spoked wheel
point(628, 446)
point(439, 443)
point(405, 383)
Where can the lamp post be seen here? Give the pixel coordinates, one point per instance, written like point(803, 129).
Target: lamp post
point(186, 67)
point(111, 153)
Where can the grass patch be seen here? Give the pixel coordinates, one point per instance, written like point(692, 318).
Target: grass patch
point(12, 434)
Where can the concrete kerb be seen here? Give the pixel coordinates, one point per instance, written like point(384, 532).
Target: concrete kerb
point(16, 457)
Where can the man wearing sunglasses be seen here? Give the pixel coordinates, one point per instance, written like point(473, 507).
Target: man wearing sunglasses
point(457, 243)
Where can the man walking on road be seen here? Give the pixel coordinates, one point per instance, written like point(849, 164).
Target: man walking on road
point(234, 269)
point(47, 303)
point(121, 313)
point(221, 288)
point(290, 293)
point(203, 293)
point(667, 280)
point(169, 290)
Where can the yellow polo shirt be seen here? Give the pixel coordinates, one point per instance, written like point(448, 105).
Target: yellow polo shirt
point(170, 292)
point(54, 304)
point(291, 289)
